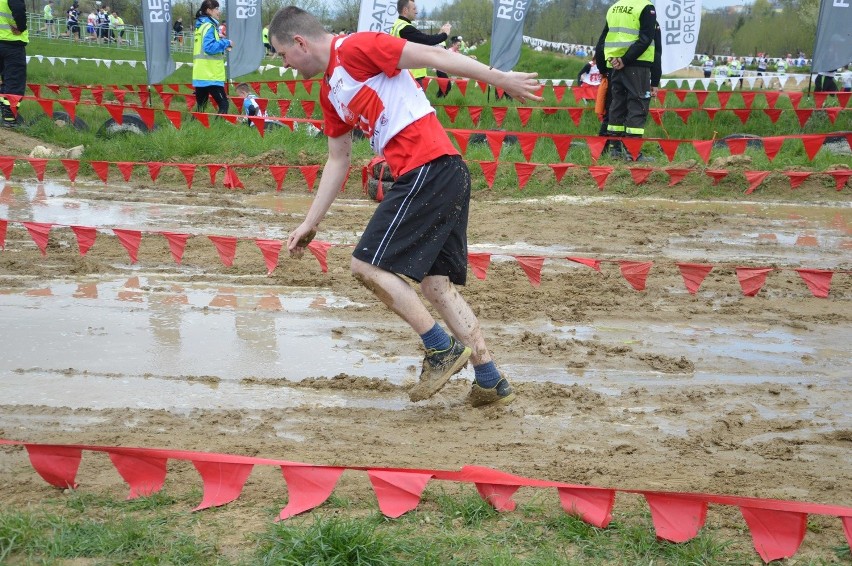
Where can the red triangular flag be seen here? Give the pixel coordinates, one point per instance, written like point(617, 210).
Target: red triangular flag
point(279, 172)
point(635, 272)
point(283, 106)
point(694, 274)
point(3, 226)
point(57, 465)
point(773, 113)
point(443, 83)
point(144, 474)
point(495, 142)
point(101, 168)
point(752, 279)
point(116, 111)
point(841, 177)
point(524, 170)
point(817, 280)
point(748, 98)
point(126, 169)
point(147, 116)
point(596, 145)
point(559, 92)
point(270, 249)
point(775, 534)
point(85, 237)
point(737, 146)
point(177, 244)
point(531, 265)
point(223, 482)
point(310, 173)
point(174, 117)
point(188, 170)
point(154, 169)
point(797, 177)
point(475, 113)
point(771, 97)
point(46, 106)
point(716, 174)
point(72, 166)
point(308, 107)
point(397, 492)
point(594, 506)
point(600, 175)
point(499, 113)
point(524, 113)
point(772, 145)
point(499, 496)
point(213, 169)
point(231, 180)
point(461, 137)
point(144, 95)
point(227, 248)
point(36, 89)
point(562, 143)
point(593, 263)
point(576, 115)
point(803, 114)
point(684, 113)
point(489, 169)
point(633, 146)
point(676, 519)
point(559, 169)
point(70, 107)
point(166, 98)
point(307, 487)
point(452, 112)
point(724, 96)
point(7, 165)
point(130, 240)
point(657, 115)
point(320, 251)
point(743, 114)
point(711, 113)
point(462, 85)
point(527, 143)
point(202, 117)
point(479, 263)
point(669, 148)
point(39, 232)
point(640, 174)
point(812, 144)
point(754, 178)
point(676, 174)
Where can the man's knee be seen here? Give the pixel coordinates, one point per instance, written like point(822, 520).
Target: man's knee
point(435, 286)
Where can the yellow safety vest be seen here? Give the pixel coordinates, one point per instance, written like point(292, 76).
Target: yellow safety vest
point(397, 27)
point(266, 35)
point(622, 20)
point(205, 67)
point(6, 24)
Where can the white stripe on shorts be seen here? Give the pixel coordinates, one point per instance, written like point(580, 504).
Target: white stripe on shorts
point(406, 203)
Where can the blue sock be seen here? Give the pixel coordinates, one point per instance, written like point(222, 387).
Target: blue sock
point(486, 375)
point(436, 339)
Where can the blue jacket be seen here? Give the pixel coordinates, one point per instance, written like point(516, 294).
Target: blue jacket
point(212, 44)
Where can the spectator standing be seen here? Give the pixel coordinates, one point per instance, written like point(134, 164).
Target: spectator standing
point(419, 230)
point(589, 74)
point(72, 22)
point(92, 25)
point(177, 29)
point(404, 27)
point(266, 44)
point(208, 57)
point(14, 38)
point(825, 82)
point(632, 46)
point(116, 24)
point(707, 67)
point(761, 64)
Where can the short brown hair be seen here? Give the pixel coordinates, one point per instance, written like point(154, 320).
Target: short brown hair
point(291, 21)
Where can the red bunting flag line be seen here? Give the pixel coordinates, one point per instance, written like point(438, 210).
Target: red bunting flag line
point(751, 279)
point(777, 527)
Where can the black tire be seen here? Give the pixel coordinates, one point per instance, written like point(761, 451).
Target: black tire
point(480, 138)
point(753, 141)
point(78, 123)
point(131, 124)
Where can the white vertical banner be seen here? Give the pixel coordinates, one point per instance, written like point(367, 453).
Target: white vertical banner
point(377, 15)
point(156, 23)
point(245, 30)
point(679, 22)
point(507, 32)
point(833, 46)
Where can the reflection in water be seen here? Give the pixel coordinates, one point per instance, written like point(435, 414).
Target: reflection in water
point(86, 291)
point(165, 318)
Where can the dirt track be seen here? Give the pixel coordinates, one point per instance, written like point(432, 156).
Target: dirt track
point(657, 389)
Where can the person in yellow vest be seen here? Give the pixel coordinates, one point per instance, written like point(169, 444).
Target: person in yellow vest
point(632, 47)
point(404, 28)
point(265, 37)
point(13, 57)
point(208, 58)
point(49, 20)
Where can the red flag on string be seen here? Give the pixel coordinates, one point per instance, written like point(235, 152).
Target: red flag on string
point(38, 164)
point(397, 492)
point(202, 117)
point(126, 169)
point(754, 178)
point(75, 92)
point(188, 170)
point(562, 143)
point(524, 113)
point(600, 175)
point(703, 148)
point(116, 112)
point(775, 534)
point(752, 279)
point(310, 173)
point(72, 166)
point(524, 170)
point(227, 248)
point(772, 145)
point(452, 112)
point(576, 115)
point(559, 170)
point(797, 177)
point(167, 99)
point(231, 180)
point(635, 272)
point(527, 142)
point(144, 474)
point(724, 96)
point(771, 97)
point(639, 174)
point(669, 148)
point(841, 177)
point(154, 169)
point(144, 95)
point(177, 244)
point(694, 274)
point(57, 465)
point(174, 117)
point(711, 113)
point(35, 88)
point(499, 113)
point(7, 165)
point(495, 142)
point(684, 113)
point(4, 224)
point(812, 144)
point(462, 85)
point(283, 106)
point(443, 83)
point(147, 116)
point(633, 145)
point(591, 505)
point(475, 112)
point(743, 114)
point(676, 519)
point(46, 105)
point(307, 487)
point(676, 174)
point(489, 170)
point(596, 146)
point(593, 263)
point(130, 239)
point(213, 169)
point(39, 232)
point(270, 250)
point(716, 174)
point(737, 146)
point(559, 92)
point(773, 113)
point(223, 482)
point(308, 85)
point(308, 107)
point(70, 107)
point(657, 115)
point(803, 114)
point(817, 280)
point(320, 251)
point(461, 137)
point(230, 118)
point(101, 168)
point(85, 238)
point(532, 267)
point(479, 263)
point(279, 172)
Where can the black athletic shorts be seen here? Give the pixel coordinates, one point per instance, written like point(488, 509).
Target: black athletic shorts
point(420, 227)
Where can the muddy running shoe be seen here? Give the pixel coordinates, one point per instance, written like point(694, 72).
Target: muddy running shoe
point(500, 394)
point(438, 367)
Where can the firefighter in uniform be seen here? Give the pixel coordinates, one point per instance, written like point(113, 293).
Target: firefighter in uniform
point(632, 47)
point(403, 28)
point(13, 57)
